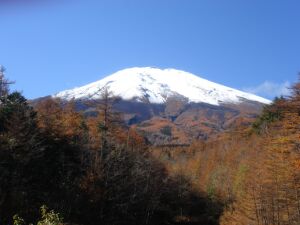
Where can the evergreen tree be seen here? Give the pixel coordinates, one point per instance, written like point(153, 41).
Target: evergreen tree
point(20, 150)
point(4, 83)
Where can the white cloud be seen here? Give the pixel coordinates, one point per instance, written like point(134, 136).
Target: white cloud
point(270, 90)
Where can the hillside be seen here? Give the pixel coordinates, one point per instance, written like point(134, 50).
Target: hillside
point(170, 106)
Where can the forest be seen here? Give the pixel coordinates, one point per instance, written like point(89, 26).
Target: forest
point(58, 166)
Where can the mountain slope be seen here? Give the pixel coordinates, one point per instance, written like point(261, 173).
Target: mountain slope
point(170, 107)
point(155, 85)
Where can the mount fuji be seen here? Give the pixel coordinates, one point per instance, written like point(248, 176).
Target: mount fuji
point(155, 85)
point(169, 106)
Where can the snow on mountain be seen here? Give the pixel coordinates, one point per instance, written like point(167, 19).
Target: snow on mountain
point(156, 85)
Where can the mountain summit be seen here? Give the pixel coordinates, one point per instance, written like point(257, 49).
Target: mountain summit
point(156, 85)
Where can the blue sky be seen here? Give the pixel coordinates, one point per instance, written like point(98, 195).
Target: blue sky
point(250, 45)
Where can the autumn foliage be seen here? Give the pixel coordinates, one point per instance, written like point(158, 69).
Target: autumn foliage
point(94, 169)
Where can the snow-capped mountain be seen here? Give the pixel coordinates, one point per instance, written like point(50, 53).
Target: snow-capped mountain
point(156, 85)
